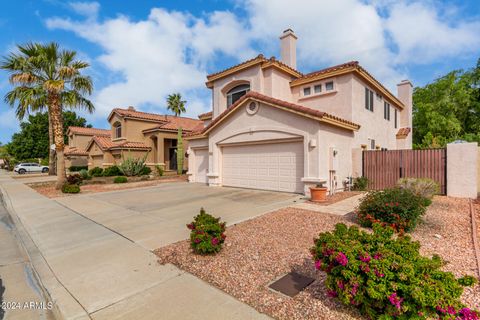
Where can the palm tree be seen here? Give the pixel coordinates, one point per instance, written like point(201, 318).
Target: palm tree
point(43, 75)
point(176, 104)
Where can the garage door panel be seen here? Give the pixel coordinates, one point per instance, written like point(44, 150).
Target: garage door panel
point(277, 167)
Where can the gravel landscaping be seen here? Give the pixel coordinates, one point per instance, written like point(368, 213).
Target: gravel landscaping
point(261, 250)
point(48, 188)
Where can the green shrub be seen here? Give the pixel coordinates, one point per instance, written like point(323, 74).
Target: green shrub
point(423, 187)
point(396, 207)
point(133, 166)
point(145, 171)
point(159, 170)
point(96, 172)
point(207, 233)
point(120, 179)
point(387, 278)
point(360, 183)
point(112, 171)
point(44, 162)
point(74, 179)
point(77, 168)
point(84, 174)
point(70, 188)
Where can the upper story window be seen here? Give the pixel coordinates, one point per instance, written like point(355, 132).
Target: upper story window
point(386, 111)
point(317, 88)
point(329, 86)
point(396, 118)
point(307, 91)
point(368, 99)
point(117, 129)
point(236, 93)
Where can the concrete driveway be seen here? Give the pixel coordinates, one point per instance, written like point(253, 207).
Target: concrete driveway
point(156, 216)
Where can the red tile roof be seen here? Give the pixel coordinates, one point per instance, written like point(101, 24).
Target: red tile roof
point(205, 115)
point(74, 151)
point(281, 103)
point(89, 131)
point(330, 69)
point(132, 113)
point(107, 144)
point(403, 132)
point(173, 123)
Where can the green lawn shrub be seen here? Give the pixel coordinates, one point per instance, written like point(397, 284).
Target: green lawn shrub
point(77, 168)
point(112, 171)
point(70, 188)
point(360, 184)
point(96, 172)
point(120, 179)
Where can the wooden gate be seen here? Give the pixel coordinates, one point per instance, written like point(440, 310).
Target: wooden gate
point(384, 168)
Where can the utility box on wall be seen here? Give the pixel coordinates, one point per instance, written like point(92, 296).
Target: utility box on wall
point(333, 158)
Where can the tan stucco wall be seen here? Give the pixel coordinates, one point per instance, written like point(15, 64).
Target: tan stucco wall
point(134, 129)
point(462, 170)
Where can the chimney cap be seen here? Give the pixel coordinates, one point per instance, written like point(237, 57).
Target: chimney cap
point(288, 32)
point(405, 81)
point(131, 108)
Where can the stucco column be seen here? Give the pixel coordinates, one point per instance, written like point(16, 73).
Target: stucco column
point(160, 150)
point(462, 162)
point(357, 162)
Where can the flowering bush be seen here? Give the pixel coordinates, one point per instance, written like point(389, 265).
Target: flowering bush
point(387, 278)
point(398, 208)
point(207, 233)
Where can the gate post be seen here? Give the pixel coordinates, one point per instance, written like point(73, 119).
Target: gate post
point(462, 170)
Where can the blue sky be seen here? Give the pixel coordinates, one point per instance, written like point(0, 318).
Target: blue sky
point(140, 51)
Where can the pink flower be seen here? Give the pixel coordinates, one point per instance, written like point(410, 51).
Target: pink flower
point(215, 241)
point(386, 204)
point(354, 289)
point(396, 301)
point(467, 314)
point(327, 252)
point(340, 284)
point(365, 258)
point(332, 293)
point(341, 259)
point(378, 274)
point(197, 240)
point(451, 310)
point(364, 267)
point(377, 256)
point(318, 264)
point(191, 226)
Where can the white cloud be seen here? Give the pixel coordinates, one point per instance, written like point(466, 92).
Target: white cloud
point(423, 35)
point(87, 9)
point(165, 53)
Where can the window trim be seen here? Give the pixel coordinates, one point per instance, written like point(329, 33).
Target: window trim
point(245, 87)
point(117, 128)
point(369, 99)
point(386, 110)
point(315, 88)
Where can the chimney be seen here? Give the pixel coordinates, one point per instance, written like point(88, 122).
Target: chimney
point(130, 108)
point(288, 48)
point(405, 95)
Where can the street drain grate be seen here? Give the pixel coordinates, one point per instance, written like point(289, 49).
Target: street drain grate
point(291, 284)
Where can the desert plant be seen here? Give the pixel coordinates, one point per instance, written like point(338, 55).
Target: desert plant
point(146, 171)
point(180, 155)
point(207, 233)
point(396, 207)
point(74, 179)
point(159, 170)
point(133, 166)
point(422, 187)
point(70, 188)
point(96, 172)
point(84, 174)
point(387, 278)
point(360, 183)
point(112, 171)
point(77, 168)
point(120, 179)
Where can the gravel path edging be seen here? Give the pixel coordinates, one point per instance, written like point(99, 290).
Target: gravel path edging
point(476, 247)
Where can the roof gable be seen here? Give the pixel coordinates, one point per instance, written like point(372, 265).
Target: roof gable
point(88, 131)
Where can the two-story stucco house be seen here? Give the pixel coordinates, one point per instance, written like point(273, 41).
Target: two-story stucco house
point(133, 134)
point(274, 128)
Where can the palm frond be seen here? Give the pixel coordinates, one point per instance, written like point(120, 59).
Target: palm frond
point(74, 100)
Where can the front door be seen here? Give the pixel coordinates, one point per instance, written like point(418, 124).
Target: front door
point(173, 158)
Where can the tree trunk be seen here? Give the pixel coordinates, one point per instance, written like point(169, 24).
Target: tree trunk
point(51, 153)
point(57, 126)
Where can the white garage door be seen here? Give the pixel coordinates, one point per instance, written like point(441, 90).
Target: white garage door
point(277, 166)
point(201, 165)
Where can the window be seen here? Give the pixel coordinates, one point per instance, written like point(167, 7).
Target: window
point(386, 111)
point(117, 128)
point(329, 86)
point(236, 93)
point(368, 99)
point(317, 88)
point(396, 124)
point(174, 143)
point(306, 91)
point(372, 144)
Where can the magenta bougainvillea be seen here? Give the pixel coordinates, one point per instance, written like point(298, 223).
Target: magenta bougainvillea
point(386, 277)
point(207, 233)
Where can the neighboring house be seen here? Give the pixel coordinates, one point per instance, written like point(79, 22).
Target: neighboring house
point(78, 139)
point(274, 128)
point(139, 134)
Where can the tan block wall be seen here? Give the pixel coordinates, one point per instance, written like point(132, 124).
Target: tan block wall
point(462, 170)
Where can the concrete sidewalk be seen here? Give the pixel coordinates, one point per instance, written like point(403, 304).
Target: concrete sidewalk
point(339, 208)
point(91, 272)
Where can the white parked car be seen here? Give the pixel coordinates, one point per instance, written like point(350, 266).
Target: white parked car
point(22, 168)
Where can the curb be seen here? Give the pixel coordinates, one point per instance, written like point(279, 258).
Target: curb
point(64, 304)
point(476, 246)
